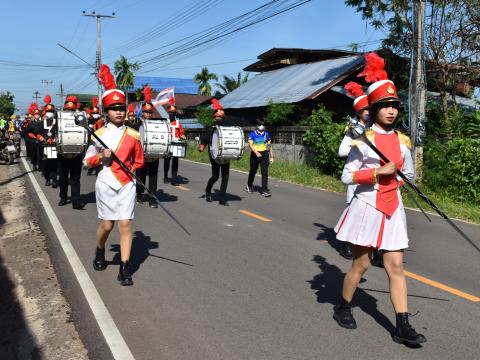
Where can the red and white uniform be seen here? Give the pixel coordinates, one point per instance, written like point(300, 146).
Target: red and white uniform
point(376, 216)
point(177, 129)
point(115, 188)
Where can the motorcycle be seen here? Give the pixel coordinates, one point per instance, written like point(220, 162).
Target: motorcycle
point(8, 151)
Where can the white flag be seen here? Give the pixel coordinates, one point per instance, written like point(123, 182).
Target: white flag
point(163, 97)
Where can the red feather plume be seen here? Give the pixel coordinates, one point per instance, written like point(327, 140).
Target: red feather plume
point(374, 68)
point(171, 101)
point(94, 102)
point(48, 99)
point(353, 89)
point(130, 108)
point(216, 105)
point(147, 92)
point(34, 107)
point(106, 77)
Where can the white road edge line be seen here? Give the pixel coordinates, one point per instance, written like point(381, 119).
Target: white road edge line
point(114, 339)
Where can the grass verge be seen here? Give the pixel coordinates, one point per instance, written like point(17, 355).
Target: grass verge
point(306, 175)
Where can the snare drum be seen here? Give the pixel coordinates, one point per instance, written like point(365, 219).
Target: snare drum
point(178, 149)
point(70, 138)
point(227, 143)
point(156, 137)
point(50, 152)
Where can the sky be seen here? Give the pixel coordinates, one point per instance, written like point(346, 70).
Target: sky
point(34, 28)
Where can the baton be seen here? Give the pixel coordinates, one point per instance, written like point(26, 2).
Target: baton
point(421, 194)
point(80, 121)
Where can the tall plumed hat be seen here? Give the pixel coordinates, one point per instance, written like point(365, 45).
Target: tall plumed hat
point(172, 108)
point(217, 108)
point(355, 90)
point(112, 96)
point(381, 88)
point(147, 105)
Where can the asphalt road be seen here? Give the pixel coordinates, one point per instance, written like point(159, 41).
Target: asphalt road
point(240, 287)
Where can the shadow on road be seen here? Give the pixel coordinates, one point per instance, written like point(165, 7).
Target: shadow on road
point(328, 287)
point(328, 234)
point(16, 340)
point(5, 182)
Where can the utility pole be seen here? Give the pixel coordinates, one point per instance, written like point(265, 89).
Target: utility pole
point(99, 48)
point(36, 96)
point(46, 82)
point(417, 88)
point(61, 95)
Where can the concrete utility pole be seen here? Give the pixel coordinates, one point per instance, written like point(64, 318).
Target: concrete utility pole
point(99, 48)
point(36, 96)
point(417, 88)
point(46, 82)
point(61, 95)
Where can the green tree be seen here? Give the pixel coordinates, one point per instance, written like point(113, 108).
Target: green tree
point(7, 107)
point(203, 78)
point(139, 92)
point(279, 114)
point(452, 30)
point(231, 83)
point(204, 116)
point(124, 71)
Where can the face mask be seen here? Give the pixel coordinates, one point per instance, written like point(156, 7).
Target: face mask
point(96, 116)
point(260, 127)
point(49, 115)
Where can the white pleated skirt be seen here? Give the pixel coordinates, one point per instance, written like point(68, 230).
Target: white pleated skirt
point(113, 204)
point(362, 224)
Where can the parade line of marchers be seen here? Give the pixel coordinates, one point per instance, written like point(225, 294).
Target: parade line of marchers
point(123, 149)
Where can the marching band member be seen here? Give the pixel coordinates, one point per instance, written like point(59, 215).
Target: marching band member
point(114, 187)
point(151, 165)
point(218, 115)
point(70, 168)
point(260, 144)
point(50, 165)
point(131, 119)
point(34, 128)
point(375, 217)
point(178, 133)
point(96, 114)
point(360, 106)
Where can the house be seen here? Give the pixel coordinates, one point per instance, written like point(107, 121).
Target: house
point(297, 76)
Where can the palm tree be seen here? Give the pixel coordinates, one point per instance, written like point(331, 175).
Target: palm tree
point(203, 78)
point(124, 72)
point(230, 83)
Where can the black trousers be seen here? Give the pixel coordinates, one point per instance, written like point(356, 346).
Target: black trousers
point(34, 152)
point(264, 162)
point(151, 169)
point(28, 146)
point(50, 169)
point(70, 170)
point(216, 167)
point(166, 166)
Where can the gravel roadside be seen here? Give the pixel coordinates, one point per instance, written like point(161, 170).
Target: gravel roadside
point(35, 319)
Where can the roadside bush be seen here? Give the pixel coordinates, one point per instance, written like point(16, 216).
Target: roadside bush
point(324, 137)
point(452, 168)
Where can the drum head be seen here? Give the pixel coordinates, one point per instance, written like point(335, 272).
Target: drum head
point(214, 144)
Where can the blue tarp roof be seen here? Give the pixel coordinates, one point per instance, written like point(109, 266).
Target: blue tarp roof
point(182, 86)
point(290, 84)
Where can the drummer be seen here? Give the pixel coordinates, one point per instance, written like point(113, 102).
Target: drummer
point(151, 165)
point(179, 133)
point(218, 115)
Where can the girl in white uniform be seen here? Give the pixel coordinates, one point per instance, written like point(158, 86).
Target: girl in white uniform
point(375, 217)
point(115, 187)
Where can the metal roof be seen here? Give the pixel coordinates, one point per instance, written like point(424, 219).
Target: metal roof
point(182, 86)
point(291, 84)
